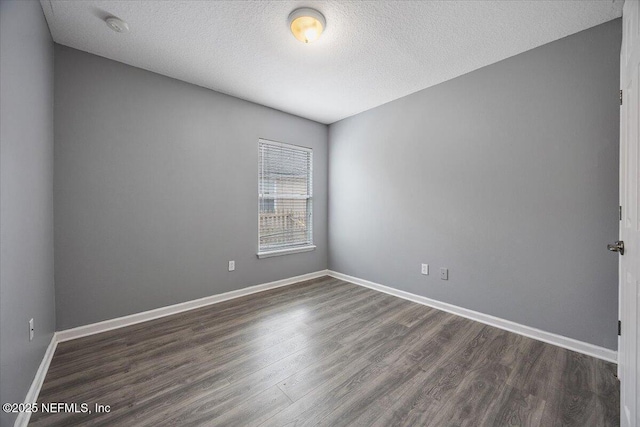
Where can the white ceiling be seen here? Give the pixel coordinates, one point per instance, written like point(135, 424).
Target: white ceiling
point(372, 52)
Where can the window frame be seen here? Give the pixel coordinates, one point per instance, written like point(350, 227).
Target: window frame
point(304, 247)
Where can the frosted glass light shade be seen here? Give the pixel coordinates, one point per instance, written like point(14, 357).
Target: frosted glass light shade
point(306, 24)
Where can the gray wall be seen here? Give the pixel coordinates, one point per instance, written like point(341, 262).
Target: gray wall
point(156, 190)
point(508, 176)
point(26, 196)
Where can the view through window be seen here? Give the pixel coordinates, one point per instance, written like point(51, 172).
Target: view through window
point(285, 196)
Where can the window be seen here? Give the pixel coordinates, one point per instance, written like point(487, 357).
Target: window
point(284, 199)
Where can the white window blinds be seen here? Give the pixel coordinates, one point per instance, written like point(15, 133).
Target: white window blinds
point(284, 196)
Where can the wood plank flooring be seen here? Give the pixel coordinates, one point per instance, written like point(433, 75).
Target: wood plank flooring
point(325, 352)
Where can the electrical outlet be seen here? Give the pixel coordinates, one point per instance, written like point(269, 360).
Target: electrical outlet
point(232, 265)
point(31, 330)
point(444, 273)
point(425, 269)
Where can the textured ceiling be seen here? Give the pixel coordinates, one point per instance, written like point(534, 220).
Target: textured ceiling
point(372, 52)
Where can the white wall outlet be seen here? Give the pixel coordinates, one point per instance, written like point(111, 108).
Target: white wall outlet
point(444, 273)
point(31, 330)
point(425, 269)
point(232, 265)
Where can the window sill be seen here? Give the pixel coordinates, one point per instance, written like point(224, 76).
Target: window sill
point(287, 251)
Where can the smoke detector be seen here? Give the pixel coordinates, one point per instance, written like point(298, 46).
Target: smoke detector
point(117, 24)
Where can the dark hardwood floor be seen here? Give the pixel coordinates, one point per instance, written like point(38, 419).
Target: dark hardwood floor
point(325, 352)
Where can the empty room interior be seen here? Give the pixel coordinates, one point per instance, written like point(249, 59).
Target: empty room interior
point(337, 213)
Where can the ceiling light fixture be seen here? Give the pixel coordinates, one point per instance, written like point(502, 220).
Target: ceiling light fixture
point(117, 24)
point(307, 24)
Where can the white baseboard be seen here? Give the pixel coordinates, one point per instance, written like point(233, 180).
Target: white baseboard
point(38, 380)
point(527, 331)
point(132, 319)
